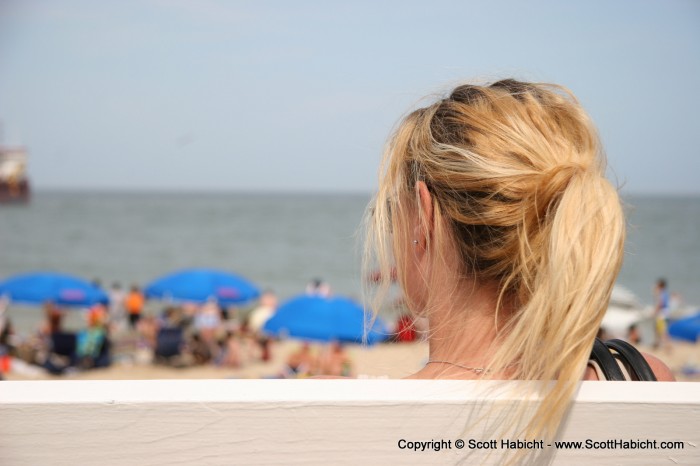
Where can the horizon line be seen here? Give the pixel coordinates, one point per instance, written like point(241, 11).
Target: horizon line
point(298, 191)
point(190, 190)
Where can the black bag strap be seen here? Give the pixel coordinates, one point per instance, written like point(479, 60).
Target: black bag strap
point(606, 361)
point(632, 359)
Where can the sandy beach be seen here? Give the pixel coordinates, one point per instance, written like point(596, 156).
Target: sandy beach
point(383, 360)
point(379, 361)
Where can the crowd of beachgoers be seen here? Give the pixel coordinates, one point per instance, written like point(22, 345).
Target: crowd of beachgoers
point(132, 331)
point(128, 331)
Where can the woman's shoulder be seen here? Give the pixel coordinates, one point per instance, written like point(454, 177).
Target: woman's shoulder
point(662, 372)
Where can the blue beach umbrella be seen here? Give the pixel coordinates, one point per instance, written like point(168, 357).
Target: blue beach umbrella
point(321, 318)
point(200, 285)
point(61, 289)
point(687, 329)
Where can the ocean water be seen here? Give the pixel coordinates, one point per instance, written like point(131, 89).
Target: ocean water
point(663, 240)
point(279, 241)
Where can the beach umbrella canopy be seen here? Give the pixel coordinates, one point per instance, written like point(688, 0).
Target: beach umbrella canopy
point(201, 285)
point(686, 329)
point(61, 289)
point(313, 317)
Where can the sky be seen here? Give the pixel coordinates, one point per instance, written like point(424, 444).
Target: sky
point(301, 96)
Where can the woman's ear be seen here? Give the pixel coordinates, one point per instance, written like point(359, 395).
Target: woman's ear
point(425, 200)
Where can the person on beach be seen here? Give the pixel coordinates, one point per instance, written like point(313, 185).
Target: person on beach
point(134, 305)
point(662, 306)
point(230, 352)
point(207, 322)
point(494, 209)
point(317, 287)
point(57, 349)
point(199, 349)
point(302, 362)
point(405, 329)
point(90, 340)
point(256, 321)
point(117, 311)
point(335, 362)
point(6, 333)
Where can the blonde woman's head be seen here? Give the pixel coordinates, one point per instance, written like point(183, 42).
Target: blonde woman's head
point(518, 201)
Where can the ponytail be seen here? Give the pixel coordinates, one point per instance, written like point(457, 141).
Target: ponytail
point(566, 283)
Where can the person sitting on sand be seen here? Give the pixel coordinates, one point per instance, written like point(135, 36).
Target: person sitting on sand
point(6, 333)
point(207, 322)
point(90, 340)
point(302, 362)
point(230, 351)
point(335, 362)
point(494, 208)
point(147, 330)
point(199, 350)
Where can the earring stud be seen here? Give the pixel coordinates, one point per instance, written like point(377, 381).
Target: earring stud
point(415, 241)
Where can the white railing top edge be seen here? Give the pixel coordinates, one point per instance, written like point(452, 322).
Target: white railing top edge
point(323, 391)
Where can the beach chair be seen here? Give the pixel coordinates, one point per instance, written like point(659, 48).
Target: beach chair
point(104, 358)
point(62, 353)
point(169, 342)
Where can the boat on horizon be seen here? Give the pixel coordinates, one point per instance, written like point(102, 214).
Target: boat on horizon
point(14, 183)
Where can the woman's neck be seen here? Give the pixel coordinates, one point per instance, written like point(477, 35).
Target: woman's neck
point(462, 334)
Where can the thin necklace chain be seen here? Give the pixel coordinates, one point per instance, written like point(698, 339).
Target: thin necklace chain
point(476, 370)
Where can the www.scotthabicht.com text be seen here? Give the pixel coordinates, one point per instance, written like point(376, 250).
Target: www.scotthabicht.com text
point(518, 444)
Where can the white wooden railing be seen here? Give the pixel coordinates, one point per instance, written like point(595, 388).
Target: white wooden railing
point(331, 422)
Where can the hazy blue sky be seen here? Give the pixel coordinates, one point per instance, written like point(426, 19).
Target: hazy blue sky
point(302, 95)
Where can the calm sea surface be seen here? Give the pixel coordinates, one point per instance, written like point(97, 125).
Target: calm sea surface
point(279, 241)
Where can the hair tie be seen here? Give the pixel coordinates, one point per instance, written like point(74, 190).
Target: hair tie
point(553, 183)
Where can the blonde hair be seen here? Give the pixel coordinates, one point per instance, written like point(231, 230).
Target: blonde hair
point(516, 175)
